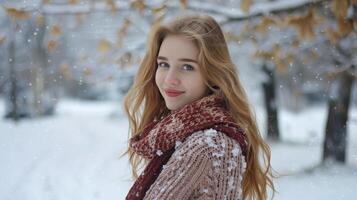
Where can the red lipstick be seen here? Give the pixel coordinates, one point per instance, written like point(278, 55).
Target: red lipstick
point(173, 93)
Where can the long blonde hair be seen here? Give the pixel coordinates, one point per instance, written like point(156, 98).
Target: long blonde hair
point(143, 102)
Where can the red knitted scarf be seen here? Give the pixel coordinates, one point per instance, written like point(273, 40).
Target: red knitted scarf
point(157, 140)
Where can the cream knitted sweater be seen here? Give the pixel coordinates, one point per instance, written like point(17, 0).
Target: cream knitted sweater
point(207, 165)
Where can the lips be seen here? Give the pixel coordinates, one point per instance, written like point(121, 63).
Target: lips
point(173, 93)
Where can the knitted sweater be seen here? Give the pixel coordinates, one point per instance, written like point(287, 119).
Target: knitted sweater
point(207, 165)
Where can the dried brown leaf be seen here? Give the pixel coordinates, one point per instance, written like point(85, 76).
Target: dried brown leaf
point(139, 5)
point(304, 24)
point(245, 5)
point(56, 30)
point(104, 46)
point(158, 19)
point(52, 45)
point(111, 5)
point(339, 8)
point(17, 14)
point(278, 60)
point(159, 9)
point(332, 35)
point(184, 3)
point(87, 71)
point(265, 23)
point(230, 36)
point(72, 1)
point(40, 20)
point(289, 58)
point(345, 26)
point(274, 56)
point(65, 71)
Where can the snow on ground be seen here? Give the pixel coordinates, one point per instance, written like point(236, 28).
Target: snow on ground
point(75, 155)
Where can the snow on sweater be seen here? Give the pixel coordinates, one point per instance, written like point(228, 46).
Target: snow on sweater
point(207, 165)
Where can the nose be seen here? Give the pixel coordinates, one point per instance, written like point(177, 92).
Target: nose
point(172, 77)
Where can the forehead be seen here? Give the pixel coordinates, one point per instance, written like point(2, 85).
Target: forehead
point(178, 46)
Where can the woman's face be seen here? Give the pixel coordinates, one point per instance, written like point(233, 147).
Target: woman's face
point(178, 77)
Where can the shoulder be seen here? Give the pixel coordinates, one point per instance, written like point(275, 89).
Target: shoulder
point(209, 143)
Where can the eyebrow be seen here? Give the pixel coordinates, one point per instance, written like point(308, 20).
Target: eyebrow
point(181, 59)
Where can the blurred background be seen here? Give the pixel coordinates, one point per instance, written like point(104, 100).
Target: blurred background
point(65, 66)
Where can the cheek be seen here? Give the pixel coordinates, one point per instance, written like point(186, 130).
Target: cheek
point(197, 82)
point(200, 86)
point(194, 84)
point(203, 89)
point(158, 79)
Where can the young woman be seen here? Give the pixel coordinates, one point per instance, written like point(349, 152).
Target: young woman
point(190, 120)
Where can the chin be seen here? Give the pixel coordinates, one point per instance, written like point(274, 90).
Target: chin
point(172, 107)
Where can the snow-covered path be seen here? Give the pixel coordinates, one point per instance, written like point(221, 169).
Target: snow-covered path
point(75, 155)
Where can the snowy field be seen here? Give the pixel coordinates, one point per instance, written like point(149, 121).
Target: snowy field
point(74, 155)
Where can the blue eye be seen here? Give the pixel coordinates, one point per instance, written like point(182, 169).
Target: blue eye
point(162, 64)
point(188, 67)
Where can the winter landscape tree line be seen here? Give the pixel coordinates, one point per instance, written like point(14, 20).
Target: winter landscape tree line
point(305, 50)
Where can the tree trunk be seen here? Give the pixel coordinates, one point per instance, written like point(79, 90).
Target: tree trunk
point(336, 127)
point(270, 104)
point(13, 113)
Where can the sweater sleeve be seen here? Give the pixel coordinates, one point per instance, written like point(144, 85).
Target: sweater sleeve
point(186, 167)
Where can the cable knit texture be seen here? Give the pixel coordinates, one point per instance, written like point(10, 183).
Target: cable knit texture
point(208, 165)
point(196, 152)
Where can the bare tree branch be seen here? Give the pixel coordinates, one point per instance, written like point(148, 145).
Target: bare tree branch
point(257, 9)
point(232, 14)
point(66, 8)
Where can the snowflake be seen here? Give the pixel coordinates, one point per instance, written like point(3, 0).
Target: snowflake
point(210, 142)
point(159, 152)
point(231, 183)
point(177, 144)
point(218, 154)
point(216, 163)
point(231, 165)
point(210, 132)
point(244, 165)
point(235, 151)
